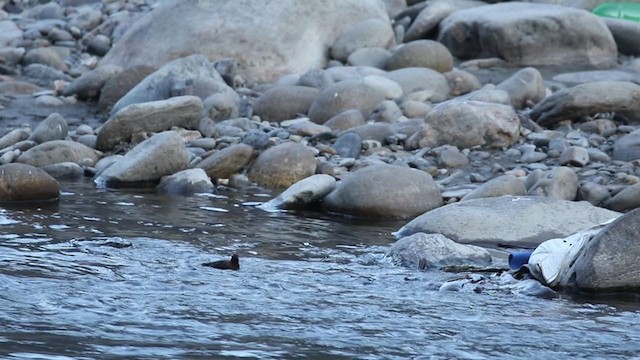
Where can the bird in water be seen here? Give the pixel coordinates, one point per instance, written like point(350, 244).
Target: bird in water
point(233, 264)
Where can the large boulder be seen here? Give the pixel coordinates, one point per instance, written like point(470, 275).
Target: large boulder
point(588, 99)
point(181, 111)
point(268, 39)
point(609, 262)
point(517, 221)
point(191, 75)
point(384, 191)
point(59, 151)
point(466, 124)
point(529, 34)
point(21, 182)
point(425, 251)
point(162, 154)
point(343, 96)
point(283, 165)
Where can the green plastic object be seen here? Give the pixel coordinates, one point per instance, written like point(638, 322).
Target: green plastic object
point(619, 10)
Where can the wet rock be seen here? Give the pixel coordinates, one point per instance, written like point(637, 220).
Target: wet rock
point(13, 137)
point(502, 185)
point(432, 83)
point(374, 57)
point(368, 33)
point(608, 263)
point(181, 111)
point(574, 156)
point(422, 53)
point(427, 21)
point(283, 165)
point(302, 194)
point(120, 84)
point(461, 82)
point(89, 84)
point(524, 87)
point(560, 183)
point(627, 199)
point(186, 182)
point(44, 75)
point(424, 251)
point(348, 145)
point(45, 56)
point(64, 170)
point(342, 96)
point(497, 31)
point(254, 38)
point(54, 127)
point(384, 191)
point(509, 220)
point(162, 154)
point(58, 151)
point(627, 148)
point(21, 182)
point(285, 102)
point(194, 72)
point(588, 99)
point(466, 124)
point(226, 162)
point(346, 120)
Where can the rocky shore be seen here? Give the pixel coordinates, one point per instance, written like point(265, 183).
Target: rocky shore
point(483, 123)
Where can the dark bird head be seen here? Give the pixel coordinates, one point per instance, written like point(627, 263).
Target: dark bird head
point(235, 262)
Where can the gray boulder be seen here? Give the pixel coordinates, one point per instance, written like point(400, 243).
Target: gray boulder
point(181, 111)
point(422, 53)
point(54, 127)
point(466, 124)
point(89, 84)
point(424, 251)
point(432, 83)
point(186, 182)
point(385, 192)
point(226, 162)
point(524, 87)
point(627, 148)
point(162, 154)
point(304, 193)
point(502, 185)
point(509, 220)
point(588, 99)
point(283, 165)
point(192, 75)
point(285, 102)
point(609, 262)
point(369, 33)
point(58, 151)
point(21, 182)
point(268, 39)
point(527, 34)
point(342, 96)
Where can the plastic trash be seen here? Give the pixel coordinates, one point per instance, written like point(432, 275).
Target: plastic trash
point(518, 259)
point(619, 10)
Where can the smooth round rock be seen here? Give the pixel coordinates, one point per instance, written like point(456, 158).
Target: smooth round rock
point(348, 145)
point(58, 151)
point(226, 162)
point(346, 120)
point(54, 127)
point(22, 182)
point(422, 53)
point(285, 102)
point(186, 182)
point(385, 192)
point(342, 96)
point(283, 165)
point(376, 57)
point(502, 185)
point(303, 194)
point(368, 33)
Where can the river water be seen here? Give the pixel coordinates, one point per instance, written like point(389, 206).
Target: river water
point(115, 274)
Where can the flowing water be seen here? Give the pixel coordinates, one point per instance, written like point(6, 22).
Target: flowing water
point(117, 275)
